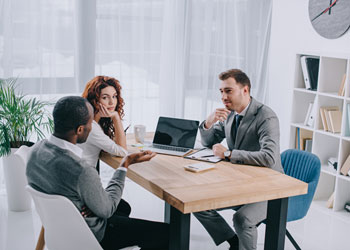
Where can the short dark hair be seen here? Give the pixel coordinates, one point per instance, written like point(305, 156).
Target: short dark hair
point(69, 113)
point(237, 74)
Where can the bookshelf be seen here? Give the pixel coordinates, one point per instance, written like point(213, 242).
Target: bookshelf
point(325, 144)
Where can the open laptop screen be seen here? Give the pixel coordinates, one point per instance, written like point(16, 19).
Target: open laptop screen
point(176, 132)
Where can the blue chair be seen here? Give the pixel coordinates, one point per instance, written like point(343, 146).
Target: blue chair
point(306, 167)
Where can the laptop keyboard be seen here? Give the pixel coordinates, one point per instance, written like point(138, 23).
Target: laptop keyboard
point(166, 147)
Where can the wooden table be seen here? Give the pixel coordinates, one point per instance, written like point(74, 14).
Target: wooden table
point(225, 186)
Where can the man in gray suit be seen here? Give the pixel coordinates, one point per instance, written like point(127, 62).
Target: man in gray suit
point(251, 130)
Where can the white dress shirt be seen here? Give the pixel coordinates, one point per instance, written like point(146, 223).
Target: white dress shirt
point(74, 148)
point(97, 141)
point(66, 145)
point(244, 111)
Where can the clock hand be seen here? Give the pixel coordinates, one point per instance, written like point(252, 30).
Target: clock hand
point(330, 3)
point(330, 6)
point(324, 11)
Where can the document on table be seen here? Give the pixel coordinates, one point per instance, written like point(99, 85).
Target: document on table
point(204, 154)
point(199, 167)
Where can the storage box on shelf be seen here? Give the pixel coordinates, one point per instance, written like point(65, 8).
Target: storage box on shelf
point(332, 94)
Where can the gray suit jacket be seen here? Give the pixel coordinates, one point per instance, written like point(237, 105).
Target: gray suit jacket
point(257, 139)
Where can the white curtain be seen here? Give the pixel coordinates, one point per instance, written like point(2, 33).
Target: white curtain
point(37, 44)
point(167, 54)
point(128, 41)
point(222, 35)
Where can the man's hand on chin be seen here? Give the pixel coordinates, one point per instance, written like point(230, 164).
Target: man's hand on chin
point(220, 114)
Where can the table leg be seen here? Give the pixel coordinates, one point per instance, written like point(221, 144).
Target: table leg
point(179, 238)
point(276, 224)
point(166, 212)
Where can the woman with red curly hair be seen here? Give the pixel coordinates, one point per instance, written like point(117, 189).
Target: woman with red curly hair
point(107, 133)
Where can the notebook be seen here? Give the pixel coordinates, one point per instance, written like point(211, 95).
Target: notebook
point(174, 136)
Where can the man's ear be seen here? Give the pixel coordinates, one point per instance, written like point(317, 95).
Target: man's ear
point(80, 130)
point(246, 89)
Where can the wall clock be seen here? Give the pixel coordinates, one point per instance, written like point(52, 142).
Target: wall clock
point(330, 18)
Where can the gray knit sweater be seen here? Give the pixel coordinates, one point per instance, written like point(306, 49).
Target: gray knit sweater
point(54, 170)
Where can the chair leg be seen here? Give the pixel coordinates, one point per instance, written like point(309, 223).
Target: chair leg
point(290, 237)
point(98, 166)
point(41, 241)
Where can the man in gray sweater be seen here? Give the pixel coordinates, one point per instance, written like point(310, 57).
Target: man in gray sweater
point(56, 166)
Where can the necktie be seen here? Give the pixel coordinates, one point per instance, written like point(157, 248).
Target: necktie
point(238, 119)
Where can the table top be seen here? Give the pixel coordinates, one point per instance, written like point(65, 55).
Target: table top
point(224, 186)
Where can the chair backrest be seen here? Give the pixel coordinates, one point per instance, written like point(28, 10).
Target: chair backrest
point(306, 167)
point(15, 173)
point(23, 154)
point(65, 228)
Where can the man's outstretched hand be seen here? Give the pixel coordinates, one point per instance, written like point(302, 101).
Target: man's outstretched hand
point(137, 158)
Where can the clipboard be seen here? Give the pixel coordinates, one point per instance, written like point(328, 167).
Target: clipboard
point(204, 154)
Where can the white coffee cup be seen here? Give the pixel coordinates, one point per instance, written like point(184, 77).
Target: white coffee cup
point(140, 132)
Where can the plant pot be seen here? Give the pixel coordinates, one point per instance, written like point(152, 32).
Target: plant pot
point(15, 178)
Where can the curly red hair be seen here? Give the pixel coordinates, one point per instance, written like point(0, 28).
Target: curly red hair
point(92, 93)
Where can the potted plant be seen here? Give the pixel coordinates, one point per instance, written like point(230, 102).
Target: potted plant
point(20, 119)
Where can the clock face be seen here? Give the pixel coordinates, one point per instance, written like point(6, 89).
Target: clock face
point(330, 18)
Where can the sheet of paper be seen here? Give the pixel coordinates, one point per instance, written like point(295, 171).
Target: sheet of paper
point(199, 167)
point(205, 154)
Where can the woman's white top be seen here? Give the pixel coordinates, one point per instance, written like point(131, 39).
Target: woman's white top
point(97, 141)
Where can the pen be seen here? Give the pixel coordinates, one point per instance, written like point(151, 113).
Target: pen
point(127, 128)
point(203, 156)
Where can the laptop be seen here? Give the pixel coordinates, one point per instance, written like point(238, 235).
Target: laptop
point(174, 136)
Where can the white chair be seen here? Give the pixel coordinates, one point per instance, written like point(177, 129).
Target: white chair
point(15, 176)
point(65, 228)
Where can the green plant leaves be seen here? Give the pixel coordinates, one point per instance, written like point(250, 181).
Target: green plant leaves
point(20, 117)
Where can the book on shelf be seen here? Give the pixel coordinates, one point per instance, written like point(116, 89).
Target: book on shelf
point(310, 66)
point(308, 145)
point(323, 119)
point(335, 120)
point(347, 120)
point(302, 135)
point(297, 138)
point(330, 201)
point(345, 168)
point(326, 118)
point(308, 113)
point(347, 125)
point(341, 91)
point(312, 116)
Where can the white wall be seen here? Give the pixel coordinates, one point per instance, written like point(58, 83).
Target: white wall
point(292, 33)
